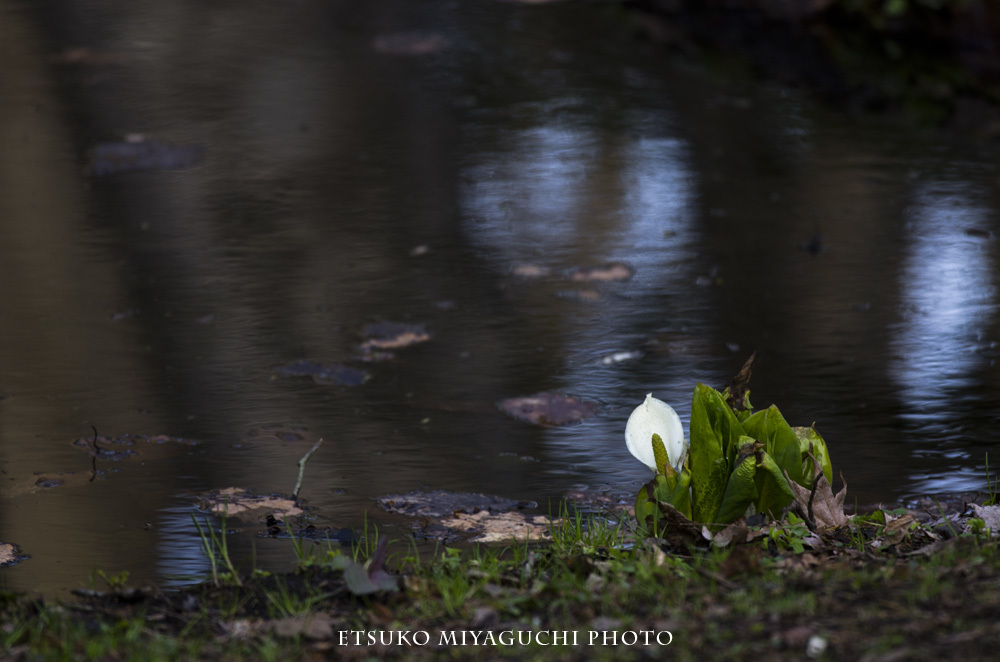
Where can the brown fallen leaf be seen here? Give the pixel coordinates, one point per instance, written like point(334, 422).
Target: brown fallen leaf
point(530, 271)
point(819, 507)
point(614, 271)
point(392, 335)
point(548, 408)
point(10, 555)
point(241, 503)
point(501, 527)
point(678, 531)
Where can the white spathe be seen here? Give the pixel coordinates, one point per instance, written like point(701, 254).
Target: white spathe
point(655, 417)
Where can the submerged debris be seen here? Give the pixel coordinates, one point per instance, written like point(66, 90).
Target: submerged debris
point(548, 408)
point(335, 373)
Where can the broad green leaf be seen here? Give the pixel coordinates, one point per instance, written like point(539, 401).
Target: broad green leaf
point(811, 441)
point(660, 454)
point(741, 491)
point(714, 430)
point(780, 442)
point(773, 491)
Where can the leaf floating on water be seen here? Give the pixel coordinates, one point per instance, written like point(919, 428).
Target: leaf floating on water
point(530, 271)
point(443, 515)
point(392, 335)
point(127, 156)
point(613, 271)
point(11, 555)
point(548, 408)
point(501, 527)
point(241, 503)
point(409, 43)
point(334, 373)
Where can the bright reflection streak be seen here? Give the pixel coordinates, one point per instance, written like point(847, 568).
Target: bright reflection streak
point(948, 296)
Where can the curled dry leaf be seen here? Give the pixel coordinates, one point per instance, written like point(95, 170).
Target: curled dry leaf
point(241, 503)
point(819, 507)
point(548, 408)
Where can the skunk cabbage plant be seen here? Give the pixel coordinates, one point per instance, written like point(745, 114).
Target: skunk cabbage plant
point(737, 460)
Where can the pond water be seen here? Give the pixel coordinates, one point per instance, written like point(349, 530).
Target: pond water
point(342, 164)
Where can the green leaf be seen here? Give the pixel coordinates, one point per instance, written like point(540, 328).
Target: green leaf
point(811, 441)
point(714, 431)
point(780, 442)
point(660, 454)
point(773, 491)
point(741, 490)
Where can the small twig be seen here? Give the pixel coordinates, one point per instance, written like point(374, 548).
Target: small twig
point(93, 456)
point(302, 469)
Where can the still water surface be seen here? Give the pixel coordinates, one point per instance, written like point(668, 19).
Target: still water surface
point(399, 161)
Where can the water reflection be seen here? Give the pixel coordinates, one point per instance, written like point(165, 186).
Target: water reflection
point(343, 186)
point(565, 193)
point(948, 303)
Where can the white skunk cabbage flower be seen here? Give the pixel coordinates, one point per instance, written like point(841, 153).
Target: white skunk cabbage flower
point(655, 417)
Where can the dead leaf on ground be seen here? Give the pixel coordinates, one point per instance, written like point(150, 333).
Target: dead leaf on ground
point(144, 154)
point(11, 555)
point(241, 503)
point(392, 335)
point(548, 408)
point(322, 373)
point(819, 507)
point(735, 532)
point(409, 43)
point(613, 271)
point(677, 530)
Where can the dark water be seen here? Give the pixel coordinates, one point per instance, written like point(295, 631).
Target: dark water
point(397, 161)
